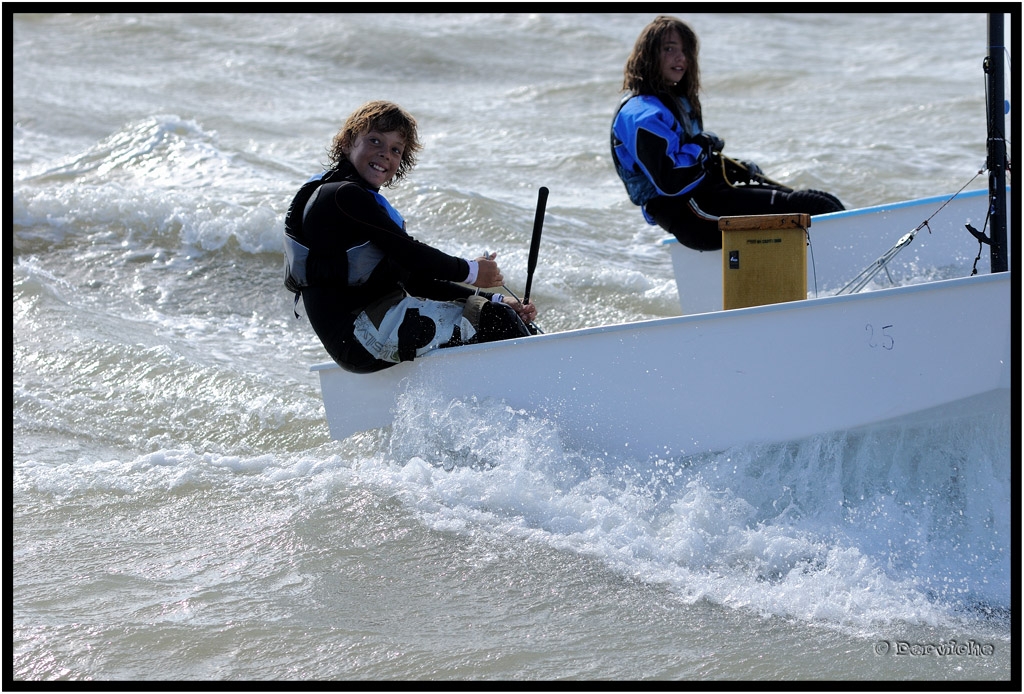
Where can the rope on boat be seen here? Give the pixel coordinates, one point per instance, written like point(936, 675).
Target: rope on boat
point(867, 274)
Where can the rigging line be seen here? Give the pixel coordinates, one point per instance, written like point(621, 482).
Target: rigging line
point(814, 270)
point(867, 274)
point(951, 197)
point(513, 295)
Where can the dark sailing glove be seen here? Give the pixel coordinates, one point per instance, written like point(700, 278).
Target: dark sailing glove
point(754, 171)
point(709, 142)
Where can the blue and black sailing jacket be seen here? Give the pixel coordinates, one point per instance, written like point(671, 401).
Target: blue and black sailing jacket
point(655, 152)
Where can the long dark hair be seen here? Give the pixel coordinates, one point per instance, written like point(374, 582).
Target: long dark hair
point(642, 74)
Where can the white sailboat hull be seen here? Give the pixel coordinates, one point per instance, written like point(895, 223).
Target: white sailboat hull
point(688, 384)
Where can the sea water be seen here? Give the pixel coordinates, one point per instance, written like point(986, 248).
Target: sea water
point(178, 510)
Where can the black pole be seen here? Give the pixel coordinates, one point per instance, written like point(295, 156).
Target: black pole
point(997, 142)
point(538, 224)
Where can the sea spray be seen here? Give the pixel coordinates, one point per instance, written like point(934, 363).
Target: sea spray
point(893, 523)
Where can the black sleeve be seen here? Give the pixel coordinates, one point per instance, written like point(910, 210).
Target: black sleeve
point(345, 215)
point(669, 176)
point(416, 258)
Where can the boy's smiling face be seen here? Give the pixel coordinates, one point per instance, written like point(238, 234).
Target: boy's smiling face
point(376, 155)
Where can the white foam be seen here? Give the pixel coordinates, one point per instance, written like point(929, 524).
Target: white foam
point(770, 529)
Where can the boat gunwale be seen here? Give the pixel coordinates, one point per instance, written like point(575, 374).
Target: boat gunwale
point(885, 207)
point(713, 316)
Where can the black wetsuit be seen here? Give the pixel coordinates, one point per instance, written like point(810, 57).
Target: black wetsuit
point(343, 221)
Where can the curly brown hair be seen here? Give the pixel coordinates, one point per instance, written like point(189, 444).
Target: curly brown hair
point(642, 74)
point(382, 116)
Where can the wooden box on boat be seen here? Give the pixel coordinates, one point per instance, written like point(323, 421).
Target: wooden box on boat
point(764, 259)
